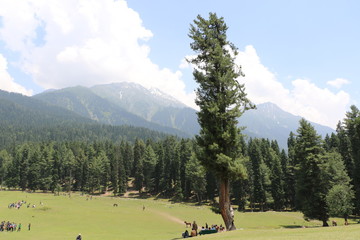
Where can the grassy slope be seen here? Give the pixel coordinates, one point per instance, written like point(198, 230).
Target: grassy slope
point(330, 233)
point(62, 217)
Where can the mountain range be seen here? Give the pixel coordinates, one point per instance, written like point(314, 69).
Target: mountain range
point(270, 121)
point(26, 119)
point(131, 104)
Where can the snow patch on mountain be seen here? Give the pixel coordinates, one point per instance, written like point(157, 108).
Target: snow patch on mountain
point(166, 98)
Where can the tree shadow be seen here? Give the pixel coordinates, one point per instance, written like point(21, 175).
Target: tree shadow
point(291, 226)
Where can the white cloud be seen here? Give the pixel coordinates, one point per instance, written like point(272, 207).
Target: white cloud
point(184, 63)
point(304, 98)
point(85, 42)
point(338, 83)
point(7, 83)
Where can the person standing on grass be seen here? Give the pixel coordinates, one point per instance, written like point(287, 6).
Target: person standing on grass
point(19, 227)
point(195, 227)
point(29, 226)
point(79, 237)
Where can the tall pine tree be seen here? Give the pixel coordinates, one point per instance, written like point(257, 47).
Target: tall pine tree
point(311, 187)
point(221, 100)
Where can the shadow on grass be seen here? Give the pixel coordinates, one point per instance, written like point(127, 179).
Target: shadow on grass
point(291, 226)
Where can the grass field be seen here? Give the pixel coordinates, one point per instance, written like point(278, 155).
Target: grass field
point(62, 217)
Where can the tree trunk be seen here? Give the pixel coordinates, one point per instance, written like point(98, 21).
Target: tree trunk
point(226, 210)
point(325, 224)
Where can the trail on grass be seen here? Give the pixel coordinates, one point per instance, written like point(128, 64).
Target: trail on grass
point(168, 216)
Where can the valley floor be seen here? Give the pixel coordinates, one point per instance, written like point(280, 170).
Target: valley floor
point(105, 217)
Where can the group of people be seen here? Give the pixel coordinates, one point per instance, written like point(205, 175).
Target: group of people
point(213, 227)
point(194, 230)
point(10, 226)
point(17, 205)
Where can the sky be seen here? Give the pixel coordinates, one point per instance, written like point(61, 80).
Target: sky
point(302, 55)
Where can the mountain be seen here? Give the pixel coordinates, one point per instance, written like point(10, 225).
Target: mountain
point(19, 110)
point(130, 103)
point(24, 119)
point(150, 104)
point(136, 98)
point(270, 121)
point(267, 121)
point(86, 103)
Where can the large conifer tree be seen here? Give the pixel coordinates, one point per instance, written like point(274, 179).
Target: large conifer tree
point(221, 100)
point(311, 187)
point(352, 129)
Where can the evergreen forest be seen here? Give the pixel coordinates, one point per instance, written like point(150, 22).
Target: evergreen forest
point(319, 177)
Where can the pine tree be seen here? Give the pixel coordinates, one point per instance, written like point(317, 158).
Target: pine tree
point(81, 168)
point(311, 188)
point(258, 177)
point(159, 185)
point(150, 160)
point(96, 169)
point(289, 170)
point(69, 168)
point(139, 150)
point(138, 169)
point(34, 169)
point(176, 178)
point(277, 184)
point(196, 175)
point(46, 165)
point(243, 189)
point(122, 173)
point(352, 128)
point(345, 150)
point(23, 162)
point(114, 154)
point(221, 100)
point(106, 171)
point(5, 161)
point(185, 154)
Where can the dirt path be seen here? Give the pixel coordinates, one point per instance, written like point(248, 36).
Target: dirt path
point(106, 194)
point(132, 193)
point(169, 217)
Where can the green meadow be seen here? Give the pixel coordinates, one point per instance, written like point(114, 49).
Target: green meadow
point(63, 217)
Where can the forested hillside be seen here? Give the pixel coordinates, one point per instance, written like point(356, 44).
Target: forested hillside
point(86, 103)
point(19, 110)
point(24, 119)
point(168, 167)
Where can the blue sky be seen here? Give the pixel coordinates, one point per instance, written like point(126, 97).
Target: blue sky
point(302, 55)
